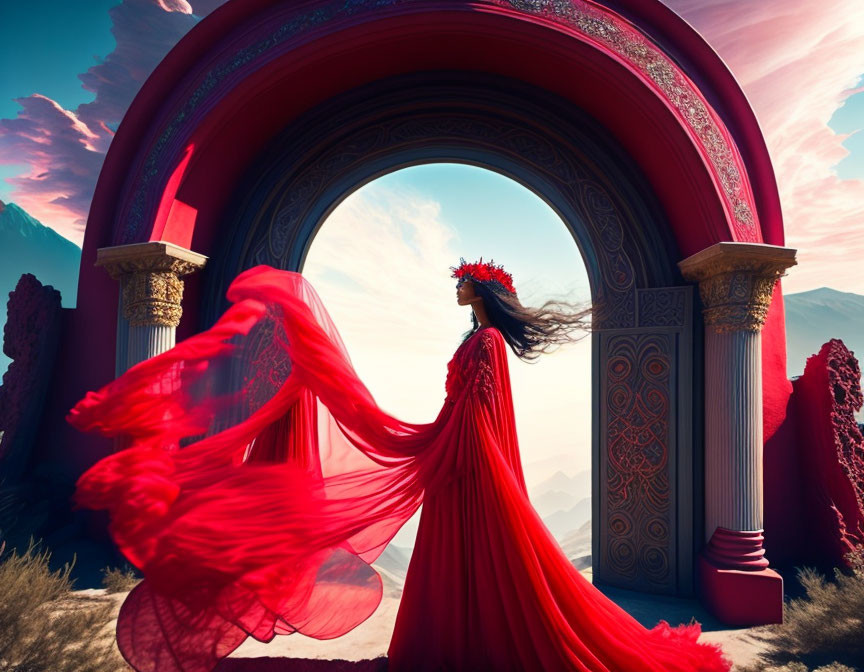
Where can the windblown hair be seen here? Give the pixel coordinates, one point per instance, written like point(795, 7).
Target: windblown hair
point(531, 331)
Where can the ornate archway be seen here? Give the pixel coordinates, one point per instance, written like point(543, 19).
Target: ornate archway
point(643, 523)
point(623, 120)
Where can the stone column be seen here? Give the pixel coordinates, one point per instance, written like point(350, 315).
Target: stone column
point(736, 283)
point(151, 291)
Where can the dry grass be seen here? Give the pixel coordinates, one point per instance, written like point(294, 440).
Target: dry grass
point(44, 626)
point(799, 667)
point(116, 580)
point(823, 630)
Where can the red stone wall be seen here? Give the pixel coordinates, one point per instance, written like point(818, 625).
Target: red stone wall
point(831, 450)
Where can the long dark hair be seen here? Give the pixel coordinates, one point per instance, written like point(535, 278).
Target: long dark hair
point(531, 331)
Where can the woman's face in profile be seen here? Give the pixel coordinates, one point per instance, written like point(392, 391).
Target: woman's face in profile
point(464, 292)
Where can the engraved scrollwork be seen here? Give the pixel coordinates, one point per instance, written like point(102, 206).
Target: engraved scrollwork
point(267, 365)
point(638, 371)
point(663, 307)
point(634, 47)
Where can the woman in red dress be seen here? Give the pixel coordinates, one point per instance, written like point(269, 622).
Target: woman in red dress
point(262, 480)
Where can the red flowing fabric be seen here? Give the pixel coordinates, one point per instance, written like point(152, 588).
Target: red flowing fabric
point(262, 479)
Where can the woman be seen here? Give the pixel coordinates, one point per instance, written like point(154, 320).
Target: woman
point(263, 479)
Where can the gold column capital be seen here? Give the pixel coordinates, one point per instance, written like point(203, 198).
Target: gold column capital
point(736, 282)
point(150, 276)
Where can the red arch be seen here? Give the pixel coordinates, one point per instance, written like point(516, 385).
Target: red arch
point(410, 36)
point(406, 36)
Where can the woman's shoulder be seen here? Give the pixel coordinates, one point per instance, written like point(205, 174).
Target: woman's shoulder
point(490, 332)
point(489, 338)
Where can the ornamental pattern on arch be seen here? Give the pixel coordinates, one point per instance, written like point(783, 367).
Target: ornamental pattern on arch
point(681, 93)
point(599, 210)
point(208, 88)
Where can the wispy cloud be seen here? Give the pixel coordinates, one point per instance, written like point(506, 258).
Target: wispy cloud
point(64, 149)
point(797, 62)
point(64, 158)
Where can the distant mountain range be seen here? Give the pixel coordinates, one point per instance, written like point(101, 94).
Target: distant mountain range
point(28, 246)
point(563, 502)
point(815, 317)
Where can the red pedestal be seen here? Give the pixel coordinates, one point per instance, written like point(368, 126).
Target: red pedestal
point(735, 582)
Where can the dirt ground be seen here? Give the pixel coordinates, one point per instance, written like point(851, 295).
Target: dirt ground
point(363, 648)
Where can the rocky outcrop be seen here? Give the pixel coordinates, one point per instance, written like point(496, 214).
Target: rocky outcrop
point(31, 336)
point(831, 449)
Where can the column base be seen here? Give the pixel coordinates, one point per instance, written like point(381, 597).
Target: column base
point(741, 597)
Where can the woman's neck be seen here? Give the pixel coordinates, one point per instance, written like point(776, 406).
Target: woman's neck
point(480, 315)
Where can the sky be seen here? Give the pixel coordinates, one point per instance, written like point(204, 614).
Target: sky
point(415, 223)
point(68, 72)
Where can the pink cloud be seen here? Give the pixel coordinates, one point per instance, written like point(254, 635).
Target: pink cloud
point(180, 6)
point(65, 149)
point(797, 62)
point(64, 156)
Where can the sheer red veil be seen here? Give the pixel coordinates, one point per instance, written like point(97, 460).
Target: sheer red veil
point(260, 481)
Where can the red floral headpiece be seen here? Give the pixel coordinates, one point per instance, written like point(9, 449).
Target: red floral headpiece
point(486, 273)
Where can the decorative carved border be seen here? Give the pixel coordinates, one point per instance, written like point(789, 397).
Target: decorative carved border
point(662, 307)
point(633, 47)
point(594, 23)
point(639, 537)
point(290, 188)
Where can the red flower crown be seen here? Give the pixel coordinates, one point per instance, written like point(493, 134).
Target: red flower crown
point(480, 272)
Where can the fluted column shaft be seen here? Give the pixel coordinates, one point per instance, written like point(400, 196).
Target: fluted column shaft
point(148, 341)
point(733, 439)
point(736, 283)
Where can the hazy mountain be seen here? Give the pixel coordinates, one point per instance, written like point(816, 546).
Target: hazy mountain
point(395, 560)
point(563, 502)
point(815, 317)
point(577, 486)
point(562, 523)
point(27, 246)
point(538, 471)
point(577, 546)
point(553, 501)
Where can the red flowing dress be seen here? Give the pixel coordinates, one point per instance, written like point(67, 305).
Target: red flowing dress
point(261, 480)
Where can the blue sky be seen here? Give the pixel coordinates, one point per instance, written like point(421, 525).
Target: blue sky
point(850, 119)
point(498, 219)
point(381, 264)
point(44, 44)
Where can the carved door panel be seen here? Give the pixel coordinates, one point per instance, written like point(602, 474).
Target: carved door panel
point(643, 465)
